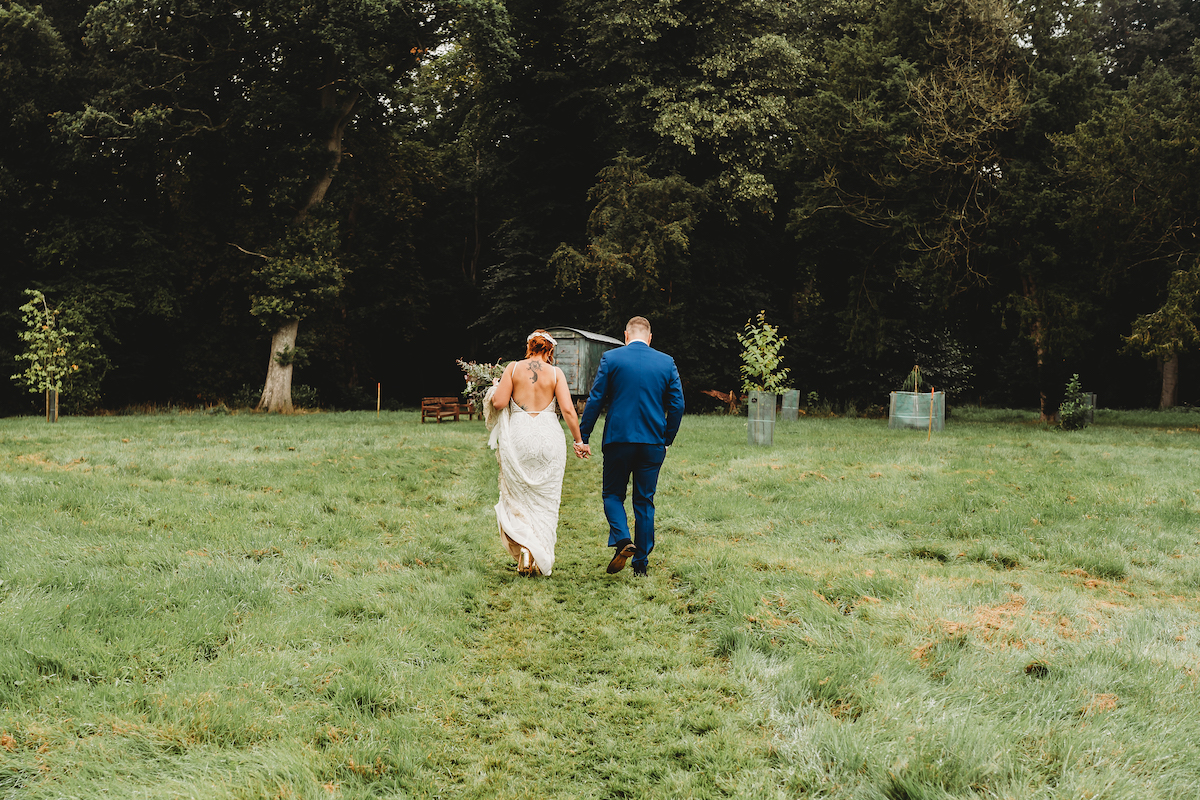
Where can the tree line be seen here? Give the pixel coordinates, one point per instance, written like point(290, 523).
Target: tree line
point(224, 195)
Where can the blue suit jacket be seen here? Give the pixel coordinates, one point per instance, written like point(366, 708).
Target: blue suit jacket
point(640, 389)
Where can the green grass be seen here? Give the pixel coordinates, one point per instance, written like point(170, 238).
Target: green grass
point(249, 606)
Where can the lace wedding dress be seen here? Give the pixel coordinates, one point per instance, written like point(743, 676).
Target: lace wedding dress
point(532, 455)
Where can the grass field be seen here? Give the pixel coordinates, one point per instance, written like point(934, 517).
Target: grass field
point(248, 606)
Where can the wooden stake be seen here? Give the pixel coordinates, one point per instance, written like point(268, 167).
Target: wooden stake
point(378, 395)
point(930, 436)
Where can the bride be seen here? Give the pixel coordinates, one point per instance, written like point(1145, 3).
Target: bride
point(520, 411)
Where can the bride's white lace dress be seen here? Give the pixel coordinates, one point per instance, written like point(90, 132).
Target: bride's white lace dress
point(532, 453)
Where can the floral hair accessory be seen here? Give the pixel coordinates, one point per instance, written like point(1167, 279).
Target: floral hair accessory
point(545, 336)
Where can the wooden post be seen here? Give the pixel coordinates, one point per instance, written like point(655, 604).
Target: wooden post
point(51, 405)
point(378, 395)
point(930, 413)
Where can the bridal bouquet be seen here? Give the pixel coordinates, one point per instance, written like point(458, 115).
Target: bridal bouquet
point(479, 378)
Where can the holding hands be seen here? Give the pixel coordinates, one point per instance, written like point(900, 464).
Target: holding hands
point(583, 450)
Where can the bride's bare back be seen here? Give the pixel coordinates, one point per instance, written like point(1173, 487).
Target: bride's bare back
point(533, 384)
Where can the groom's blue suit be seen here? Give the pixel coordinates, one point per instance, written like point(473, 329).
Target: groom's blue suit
point(639, 389)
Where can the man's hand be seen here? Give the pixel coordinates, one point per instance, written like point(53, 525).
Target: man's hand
point(583, 450)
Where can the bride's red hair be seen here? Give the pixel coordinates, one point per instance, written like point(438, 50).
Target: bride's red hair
point(539, 345)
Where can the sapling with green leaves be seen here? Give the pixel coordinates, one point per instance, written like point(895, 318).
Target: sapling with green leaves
point(51, 349)
point(912, 383)
point(1072, 414)
point(762, 367)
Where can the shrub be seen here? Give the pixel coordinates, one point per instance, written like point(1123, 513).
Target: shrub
point(305, 396)
point(1073, 413)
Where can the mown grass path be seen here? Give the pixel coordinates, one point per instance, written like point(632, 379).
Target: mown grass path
point(585, 684)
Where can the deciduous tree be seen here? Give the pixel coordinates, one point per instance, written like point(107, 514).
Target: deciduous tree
point(268, 94)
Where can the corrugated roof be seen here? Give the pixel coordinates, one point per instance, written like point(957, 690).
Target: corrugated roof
point(595, 337)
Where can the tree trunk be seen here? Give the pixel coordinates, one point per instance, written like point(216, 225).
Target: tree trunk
point(277, 392)
point(333, 145)
point(1041, 372)
point(1170, 381)
point(1037, 335)
point(474, 271)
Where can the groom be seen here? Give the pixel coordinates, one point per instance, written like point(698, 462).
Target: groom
point(640, 388)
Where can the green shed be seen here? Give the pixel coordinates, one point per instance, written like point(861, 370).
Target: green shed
point(578, 355)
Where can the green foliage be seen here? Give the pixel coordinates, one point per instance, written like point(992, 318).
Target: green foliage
point(447, 153)
point(305, 396)
point(48, 347)
point(933, 89)
point(85, 385)
point(54, 353)
point(207, 125)
point(1137, 163)
point(762, 367)
point(638, 234)
point(912, 383)
point(707, 84)
point(926, 166)
point(1073, 411)
point(33, 62)
point(302, 272)
point(1131, 33)
point(290, 356)
point(1145, 136)
point(248, 395)
point(1172, 327)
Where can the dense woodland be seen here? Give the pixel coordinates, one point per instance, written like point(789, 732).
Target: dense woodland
point(347, 194)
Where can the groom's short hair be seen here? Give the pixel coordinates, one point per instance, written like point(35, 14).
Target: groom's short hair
point(638, 325)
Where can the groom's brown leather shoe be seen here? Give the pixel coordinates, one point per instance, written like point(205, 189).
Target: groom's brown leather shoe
point(623, 553)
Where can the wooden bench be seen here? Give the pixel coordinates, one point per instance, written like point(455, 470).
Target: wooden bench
point(436, 408)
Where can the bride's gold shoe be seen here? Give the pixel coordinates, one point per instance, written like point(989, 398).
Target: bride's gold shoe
point(525, 562)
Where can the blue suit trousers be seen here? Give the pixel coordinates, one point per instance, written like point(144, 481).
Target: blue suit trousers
point(642, 462)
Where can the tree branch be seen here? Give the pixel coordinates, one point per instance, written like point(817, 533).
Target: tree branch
point(247, 252)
